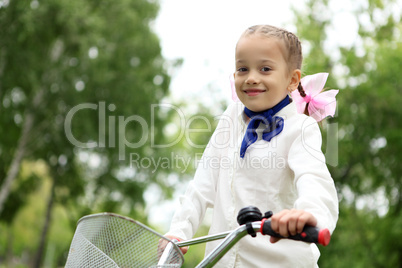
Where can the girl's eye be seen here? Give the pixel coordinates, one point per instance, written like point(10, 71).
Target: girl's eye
point(242, 69)
point(265, 69)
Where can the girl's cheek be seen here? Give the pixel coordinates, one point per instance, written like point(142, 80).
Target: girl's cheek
point(237, 84)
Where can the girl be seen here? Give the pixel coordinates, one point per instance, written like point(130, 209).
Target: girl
point(263, 153)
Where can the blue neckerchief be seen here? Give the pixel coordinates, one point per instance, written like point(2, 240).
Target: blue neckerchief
point(274, 124)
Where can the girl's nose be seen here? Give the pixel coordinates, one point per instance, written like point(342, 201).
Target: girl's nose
point(252, 78)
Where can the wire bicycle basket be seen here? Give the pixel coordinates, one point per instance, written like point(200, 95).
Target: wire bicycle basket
point(111, 240)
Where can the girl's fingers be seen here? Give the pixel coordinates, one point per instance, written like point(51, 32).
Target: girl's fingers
point(291, 222)
point(275, 220)
point(163, 243)
point(184, 250)
point(292, 225)
point(274, 239)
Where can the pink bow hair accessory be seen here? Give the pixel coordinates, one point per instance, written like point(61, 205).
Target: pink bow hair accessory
point(320, 104)
point(232, 85)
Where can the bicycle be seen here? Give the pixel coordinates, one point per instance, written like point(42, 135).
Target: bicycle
point(112, 240)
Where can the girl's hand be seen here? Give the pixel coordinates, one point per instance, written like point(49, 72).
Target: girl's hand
point(290, 222)
point(163, 243)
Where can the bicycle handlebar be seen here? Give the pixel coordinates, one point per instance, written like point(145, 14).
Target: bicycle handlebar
point(251, 221)
point(309, 234)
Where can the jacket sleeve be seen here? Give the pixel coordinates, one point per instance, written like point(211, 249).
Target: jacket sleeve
point(201, 191)
point(315, 187)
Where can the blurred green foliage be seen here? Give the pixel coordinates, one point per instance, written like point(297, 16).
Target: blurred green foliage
point(368, 173)
point(78, 80)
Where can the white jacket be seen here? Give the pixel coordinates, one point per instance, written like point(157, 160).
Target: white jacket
point(287, 172)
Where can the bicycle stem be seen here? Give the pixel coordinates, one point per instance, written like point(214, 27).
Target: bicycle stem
point(230, 240)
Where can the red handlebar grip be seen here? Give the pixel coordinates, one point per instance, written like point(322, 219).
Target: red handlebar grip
point(324, 236)
point(309, 234)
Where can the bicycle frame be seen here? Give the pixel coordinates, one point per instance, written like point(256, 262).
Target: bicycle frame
point(231, 238)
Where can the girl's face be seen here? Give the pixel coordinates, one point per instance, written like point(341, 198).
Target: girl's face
point(262, 77)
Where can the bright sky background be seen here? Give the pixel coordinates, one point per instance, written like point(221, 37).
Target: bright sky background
point(204, 34)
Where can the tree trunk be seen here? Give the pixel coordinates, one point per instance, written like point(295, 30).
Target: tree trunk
point(46, 226)
point(20, 151)
point(2, 65)
point(17, 159)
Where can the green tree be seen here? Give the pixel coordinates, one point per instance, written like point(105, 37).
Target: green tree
point(368, 175)
point(77, 83)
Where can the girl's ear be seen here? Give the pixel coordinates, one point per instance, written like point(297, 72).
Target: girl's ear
point(295, 77)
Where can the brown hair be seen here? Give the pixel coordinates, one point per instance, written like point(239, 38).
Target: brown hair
point(291, 43)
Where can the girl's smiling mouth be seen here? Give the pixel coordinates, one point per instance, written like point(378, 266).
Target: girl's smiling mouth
point(254, 91)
